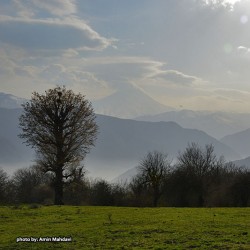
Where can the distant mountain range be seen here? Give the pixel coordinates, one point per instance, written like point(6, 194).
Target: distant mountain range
point(132, 139)
point(120, 145)
point(10, 101)
point(133, 103)
point(243, 162)
point(129, 103)
point(240, 142)
point(217, 124)
point(12, 150)
point(125, 177)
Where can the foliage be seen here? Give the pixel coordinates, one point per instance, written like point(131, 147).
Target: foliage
point(60, 126)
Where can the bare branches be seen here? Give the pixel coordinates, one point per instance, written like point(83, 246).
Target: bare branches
point(61, 126)
point(152, 171)
point(198, 161)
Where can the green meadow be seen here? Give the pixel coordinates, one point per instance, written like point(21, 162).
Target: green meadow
point(124, 228)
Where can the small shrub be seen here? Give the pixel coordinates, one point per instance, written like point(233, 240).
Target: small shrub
point(34, 206)
point(16, 207)
point(110, 218)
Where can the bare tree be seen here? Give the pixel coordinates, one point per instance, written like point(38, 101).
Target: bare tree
point(199, 166)
point(28, 184)
point(153, 169)
point(60, 126)
point(3, 185)
point(101, 193)
point(138, 188)
point(197, 160)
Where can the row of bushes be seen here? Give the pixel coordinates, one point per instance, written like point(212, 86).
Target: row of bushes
point(30, 185)
point(197, 179)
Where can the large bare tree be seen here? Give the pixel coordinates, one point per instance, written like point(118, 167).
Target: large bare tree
point(200, 166)
point(60, 126)
point(152, 171)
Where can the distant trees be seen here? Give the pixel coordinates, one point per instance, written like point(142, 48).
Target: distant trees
point(27, 185)
point(76, 188)
point(198, 179)
point(139, 191)
point(240, 188)
point(103, 193)
point(151, 172)
point(31, 185)
point(197, 167)
point(201, 179)
point(61, 126)
point(3, 186)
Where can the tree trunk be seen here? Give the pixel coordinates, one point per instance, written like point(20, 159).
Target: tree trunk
point(156, 196)
point(58, 187)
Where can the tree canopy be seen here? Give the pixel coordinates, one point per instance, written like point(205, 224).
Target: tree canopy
point(60, 126)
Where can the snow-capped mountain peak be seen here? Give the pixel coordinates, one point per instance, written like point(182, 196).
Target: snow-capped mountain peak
point(10, 101)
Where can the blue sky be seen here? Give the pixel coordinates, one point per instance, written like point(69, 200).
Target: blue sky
point(191, 54)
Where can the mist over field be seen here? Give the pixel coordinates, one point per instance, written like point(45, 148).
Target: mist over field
point(120, 145)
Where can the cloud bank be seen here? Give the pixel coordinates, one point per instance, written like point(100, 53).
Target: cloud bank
point(179, 52)
point(50, 34)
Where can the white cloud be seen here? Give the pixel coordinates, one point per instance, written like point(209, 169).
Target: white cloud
point(31, 8)
point(229, 3)
point(50, 34)
point(70, 53)
point(150, 76)
point(22, 9)
point(228, 100)
point(182, 61)
point(223, 100)
point(233, 93)
point(58, 73)
point(17, 77)
point(243, 49)
point(57, 7)
point(123, 69)
point(176, 77)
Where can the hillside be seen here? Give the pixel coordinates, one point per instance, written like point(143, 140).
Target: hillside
point(240, 142)
point(129, 138)
point(129, 103)
point(12, 151)
point(10, 101)
point(121, 143)
point(216, 124)
point(243, 162)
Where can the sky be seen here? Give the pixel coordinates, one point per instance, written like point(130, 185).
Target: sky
point(187, 54)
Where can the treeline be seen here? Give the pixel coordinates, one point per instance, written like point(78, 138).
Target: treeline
point(198, 178)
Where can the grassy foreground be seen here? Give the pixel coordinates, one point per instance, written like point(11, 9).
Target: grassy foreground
point(125, 228)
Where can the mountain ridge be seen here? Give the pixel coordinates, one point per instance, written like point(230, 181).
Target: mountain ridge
point(216, 124)
point(120, 145)
point(239, 141)
point(10, 101)
point(128, 103)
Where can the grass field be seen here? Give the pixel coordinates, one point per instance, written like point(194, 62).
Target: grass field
point(125, 228)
